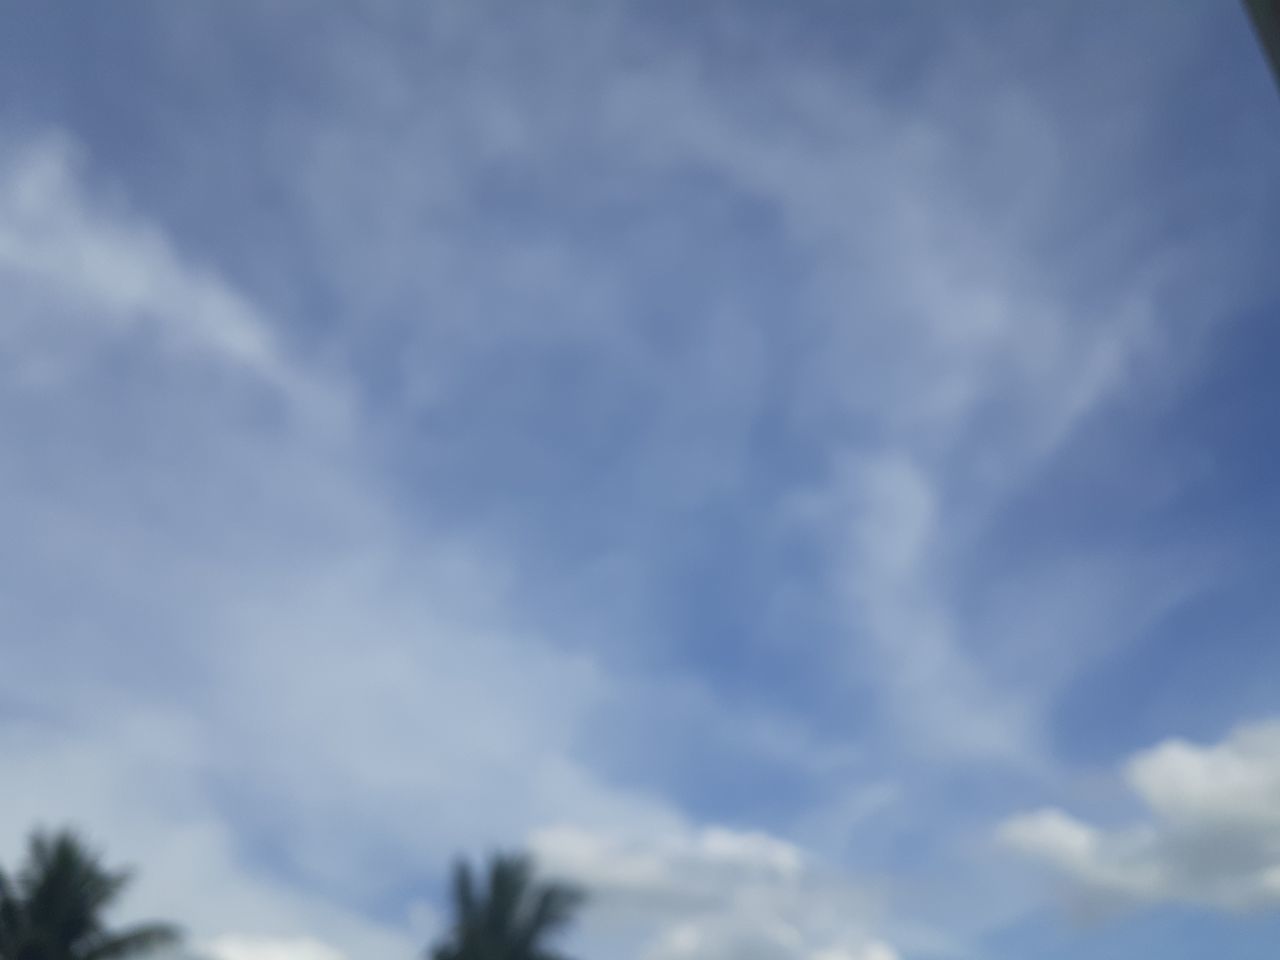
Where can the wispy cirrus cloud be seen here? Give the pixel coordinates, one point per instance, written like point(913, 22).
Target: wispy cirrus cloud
point(102, 272)
point(274, 684)
point(646, 420)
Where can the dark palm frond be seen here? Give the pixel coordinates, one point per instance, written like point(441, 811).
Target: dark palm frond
point(64, 888)
point(510, 918)
point(10, 916)
point(53, 909)
point(464, 894)
point(509, 881)
point(551, 910)
point(35, 944)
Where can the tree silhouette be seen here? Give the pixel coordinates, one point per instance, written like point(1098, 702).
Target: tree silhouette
point(52, 908)
point(513, 918)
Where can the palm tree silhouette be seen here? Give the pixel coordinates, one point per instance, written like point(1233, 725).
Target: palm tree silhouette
point(513, 918)
point(52, 908)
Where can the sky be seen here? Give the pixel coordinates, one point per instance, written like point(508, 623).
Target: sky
point(806, 472)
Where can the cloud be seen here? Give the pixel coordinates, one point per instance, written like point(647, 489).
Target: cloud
point(286, 713)
point(328, 432)
point(881, 517)
point(223, 659)
point(136, 785)
point(102, 272)
point(1212, 836)
point(264, 948)
point(755, 938)
point(714, 892)
point(610, 234)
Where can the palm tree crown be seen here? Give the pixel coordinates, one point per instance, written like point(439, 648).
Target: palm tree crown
point(52, 908)
point(512, 918)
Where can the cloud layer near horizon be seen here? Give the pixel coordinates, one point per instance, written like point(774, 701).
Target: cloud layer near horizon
point(1212, 837)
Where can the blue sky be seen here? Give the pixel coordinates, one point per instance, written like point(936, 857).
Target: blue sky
point(804, 470)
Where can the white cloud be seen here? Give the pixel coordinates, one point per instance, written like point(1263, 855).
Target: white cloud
point(713, 892)
point(232, 947)
point(687, 868)
point(1212, 838)
point(753, 937)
